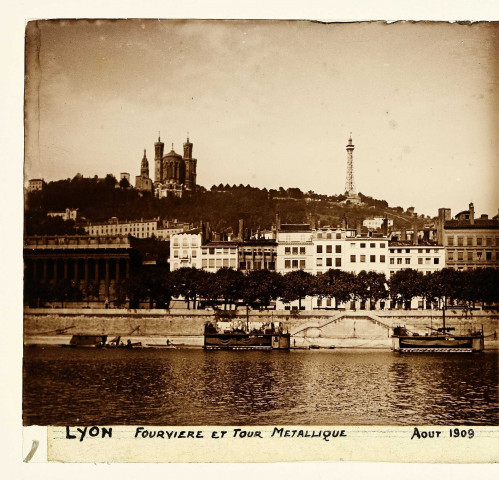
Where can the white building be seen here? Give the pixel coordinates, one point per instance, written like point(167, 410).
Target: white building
point(136, 228)
point(35, 184)
point(295, 248)
point(424, 258)
point(185, 250)
point(376, 223)
point(68, 214)
point(217, 255)
point(369, 253)
point(329, 248)
point(168, 229)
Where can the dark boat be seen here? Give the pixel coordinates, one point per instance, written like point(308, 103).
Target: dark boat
point(99, 341)
point(440, 341)
point(270, 337)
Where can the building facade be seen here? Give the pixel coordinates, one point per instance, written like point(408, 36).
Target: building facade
point(376, 223)
point(469, 242)
point(68, 214)
point(424, 257)
point(136, 228)
point(185, 250)
point(295, 248)
point(258, 254)
point(35, 184)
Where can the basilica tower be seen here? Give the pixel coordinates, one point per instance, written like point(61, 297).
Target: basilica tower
point(159, 148)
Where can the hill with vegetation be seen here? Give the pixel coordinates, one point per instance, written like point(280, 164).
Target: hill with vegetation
point(223, 205)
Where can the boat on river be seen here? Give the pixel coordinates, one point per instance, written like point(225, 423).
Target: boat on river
point(239, 337)
point(441, 340)
point(99, 341)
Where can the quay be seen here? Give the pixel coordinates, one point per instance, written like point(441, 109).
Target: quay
point(318, 328)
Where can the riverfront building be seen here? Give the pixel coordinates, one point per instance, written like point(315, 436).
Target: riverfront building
point(104, 260)
point(469, 242)
point(217, 255)
point(425, 257)
point(257, 254)
point(185, 249)
point(295, 248)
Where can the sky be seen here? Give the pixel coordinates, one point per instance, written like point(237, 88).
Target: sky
point(272, 103)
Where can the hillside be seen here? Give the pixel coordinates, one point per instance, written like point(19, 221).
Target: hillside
point(222, 206)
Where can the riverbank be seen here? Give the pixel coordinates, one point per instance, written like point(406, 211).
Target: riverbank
point(341, 329)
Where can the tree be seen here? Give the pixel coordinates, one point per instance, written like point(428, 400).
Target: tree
point(185, 283)
point(370, 286)
point(124, 183)
point(296, 286)
point(229, 285)
point(262, 286)
point(336, 284)
point(405, 285)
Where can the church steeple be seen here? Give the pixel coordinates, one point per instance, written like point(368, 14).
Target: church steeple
point(187, 148)
point(144, 166)
point(159, 148)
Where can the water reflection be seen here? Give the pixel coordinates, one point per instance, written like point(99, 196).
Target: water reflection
point(193, 387)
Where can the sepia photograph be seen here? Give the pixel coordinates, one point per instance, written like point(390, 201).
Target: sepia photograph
point(261, 223)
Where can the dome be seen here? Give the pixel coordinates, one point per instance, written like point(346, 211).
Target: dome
point(172, 154)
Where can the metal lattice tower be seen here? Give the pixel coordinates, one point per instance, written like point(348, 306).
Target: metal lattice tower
point(350, 184)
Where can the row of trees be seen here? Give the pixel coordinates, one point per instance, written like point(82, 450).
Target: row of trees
point(260, 288)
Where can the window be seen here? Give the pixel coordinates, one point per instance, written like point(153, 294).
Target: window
point(420, 250)
point(338, 262)
point(488, 255)
point(329, 262)
point(460, 255)
point(319, 262)
point(469, 241)
point(460, 241)
point(337, 249)
point(175, 253)
point(211, 263)
point(218, 262)
point(427, 261)
point(470, 256)
point(302, 264)
point(372, 245)
point(399, 261)
point(319, 248)
point(362, 258)
point(489, 241)
point(185, 241)
point(329, 249)
point(407, 261)
point(212, 251)
point(287, 263)
point(352, 258)
point(302, 250)
point(205, 263)
point(399, 250)
point(194, 254)
point(450, 240)
point(420, 261)
point(436, 261)
point(479, 240)
point(319, 302)
point(352, 245)
point(175, 242)
point(225, 262)
point(295, 263)
point(392, 250)
point(362, 245)
point(428, 250)
point(295, 250)
point(382, 259)
point(329, 236)
point(338, 236)
point(392, 261)
point(407, 250)
point(381, 245)
point(450, 255)
point(319, 235)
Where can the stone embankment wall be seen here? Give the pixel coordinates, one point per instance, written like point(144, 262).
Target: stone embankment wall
point(355, 329)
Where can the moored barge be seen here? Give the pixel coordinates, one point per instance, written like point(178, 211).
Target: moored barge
point(232, 337)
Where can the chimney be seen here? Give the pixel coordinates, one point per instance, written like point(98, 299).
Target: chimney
point(344, 222)
point(426, 235)
point(472, 214)
point(241, 229)
point(277, 221)
point(415, 234)
point(403, 234)
point(359, 227)
point(444, 214)
point(384, 227)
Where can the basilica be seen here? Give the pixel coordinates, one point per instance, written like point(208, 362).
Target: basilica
point(173, 173)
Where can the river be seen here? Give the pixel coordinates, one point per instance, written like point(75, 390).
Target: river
point(65, 386)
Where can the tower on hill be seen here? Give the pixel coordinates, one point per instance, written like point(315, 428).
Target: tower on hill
point(350, 192)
